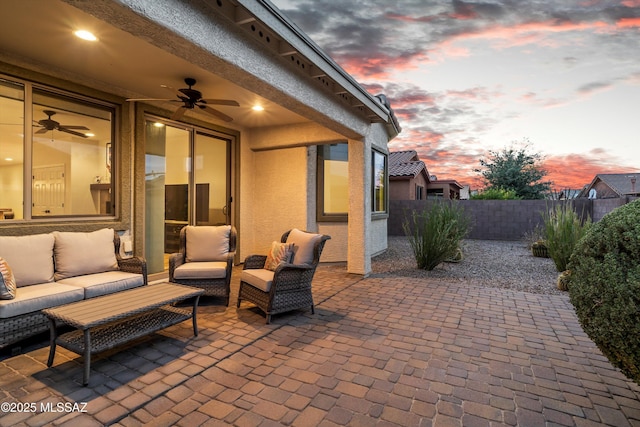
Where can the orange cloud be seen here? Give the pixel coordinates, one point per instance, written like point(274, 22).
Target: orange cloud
point(629, 22)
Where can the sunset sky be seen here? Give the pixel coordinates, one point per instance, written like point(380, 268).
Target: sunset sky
point(465, 77)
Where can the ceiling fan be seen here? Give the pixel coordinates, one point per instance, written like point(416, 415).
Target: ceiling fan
point(49, 124)
point(192, 98)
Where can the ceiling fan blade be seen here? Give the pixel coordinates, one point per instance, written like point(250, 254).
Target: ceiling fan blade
point(43, 130)
point(74, 127)
point(179, 113)
point(230, 102)
point(173, 90)
point(218, 114)
point(72, 132)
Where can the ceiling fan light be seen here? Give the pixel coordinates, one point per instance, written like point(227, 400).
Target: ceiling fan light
point(86, 35)
point(257, 108)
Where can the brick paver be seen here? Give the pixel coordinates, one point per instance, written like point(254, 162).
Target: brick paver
point(393, 351)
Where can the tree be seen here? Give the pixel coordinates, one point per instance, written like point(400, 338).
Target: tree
point(516, 169)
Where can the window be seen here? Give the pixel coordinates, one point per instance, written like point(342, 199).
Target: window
point(380, 181)
point(68, 152)
point(419, 192)
point(11, 149)
point(333, 182)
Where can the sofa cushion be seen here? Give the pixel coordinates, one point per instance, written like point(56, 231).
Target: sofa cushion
point(304, 245)
point(30, 257)
point(201, 270)
point(279, 252)
point(95, 285)
point(7, 281)
point(260, 278)
point(84, 253)
point(36, 297)
point(207, 243)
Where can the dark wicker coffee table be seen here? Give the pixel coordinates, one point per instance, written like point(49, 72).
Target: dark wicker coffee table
point(108, 321)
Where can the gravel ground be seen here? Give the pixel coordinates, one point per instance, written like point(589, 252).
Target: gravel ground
point(493, 263)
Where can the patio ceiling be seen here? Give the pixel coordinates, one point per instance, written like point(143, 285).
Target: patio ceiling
point(38, 34)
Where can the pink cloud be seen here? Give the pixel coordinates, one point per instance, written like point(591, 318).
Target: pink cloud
point(629, 22)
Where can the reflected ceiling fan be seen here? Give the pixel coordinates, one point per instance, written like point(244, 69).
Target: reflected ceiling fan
point(192, 98)
point(49, 124)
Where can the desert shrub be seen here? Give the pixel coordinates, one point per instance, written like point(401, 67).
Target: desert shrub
point(604, 286)
point(533, 235)
point(563, 228)
point(496, 193)
point(435, 235)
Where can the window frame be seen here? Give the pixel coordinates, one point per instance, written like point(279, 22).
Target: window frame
point(321, 215)
point(376, 214)
point(30, 88)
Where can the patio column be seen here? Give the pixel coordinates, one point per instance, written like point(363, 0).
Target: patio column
point(359, 246)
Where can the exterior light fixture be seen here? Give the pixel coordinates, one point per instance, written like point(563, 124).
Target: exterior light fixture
point(86, 35)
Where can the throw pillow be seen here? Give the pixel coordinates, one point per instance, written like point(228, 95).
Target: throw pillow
point(305, 245)
point(207, 243)
point(78, 253)
point(279, 253)
point(7, 281)
point(30, 257)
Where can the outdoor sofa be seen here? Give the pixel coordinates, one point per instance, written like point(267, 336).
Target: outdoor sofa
point(55, 269)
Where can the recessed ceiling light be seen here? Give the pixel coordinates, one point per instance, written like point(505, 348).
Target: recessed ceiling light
point(257, 108)
point(8, 159)
point(86, 35)
point(89, 134)
point(158, 124)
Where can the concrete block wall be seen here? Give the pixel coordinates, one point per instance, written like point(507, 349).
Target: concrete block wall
point(501, 219)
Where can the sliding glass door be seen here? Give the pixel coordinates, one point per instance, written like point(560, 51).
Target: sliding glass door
point(187, 182)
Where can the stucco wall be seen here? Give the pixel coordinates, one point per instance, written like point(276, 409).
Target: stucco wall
point(335, 250)
point(276, 197)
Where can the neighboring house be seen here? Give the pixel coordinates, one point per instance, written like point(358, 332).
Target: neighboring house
point(408, 176)
point(409, 179)
point(108, 133)
point(444, 189)
point(611, 185)
point(569, 194)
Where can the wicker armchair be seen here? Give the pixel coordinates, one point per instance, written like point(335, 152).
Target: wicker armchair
point(288, 287)
point(205, 259)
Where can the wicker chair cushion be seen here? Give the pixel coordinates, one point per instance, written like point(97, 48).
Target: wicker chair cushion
point(260, 278)
point(207, 243)
point(304, 245)
point(201, 270)
point(33, 298)
point(279, 252)
point(99, 284)
point(30, 257)
point(84, 253)
point(7, 281)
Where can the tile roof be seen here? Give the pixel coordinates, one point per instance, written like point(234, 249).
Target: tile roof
point(621, 182)
point(405, 163)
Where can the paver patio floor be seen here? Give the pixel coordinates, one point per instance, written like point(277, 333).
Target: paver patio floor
point(389, 352)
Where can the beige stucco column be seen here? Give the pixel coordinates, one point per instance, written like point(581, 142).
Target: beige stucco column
point(359, 250)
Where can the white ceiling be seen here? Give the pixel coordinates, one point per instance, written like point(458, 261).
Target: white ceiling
point(39, 34)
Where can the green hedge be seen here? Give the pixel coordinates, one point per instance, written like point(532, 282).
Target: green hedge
point(605, 286)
